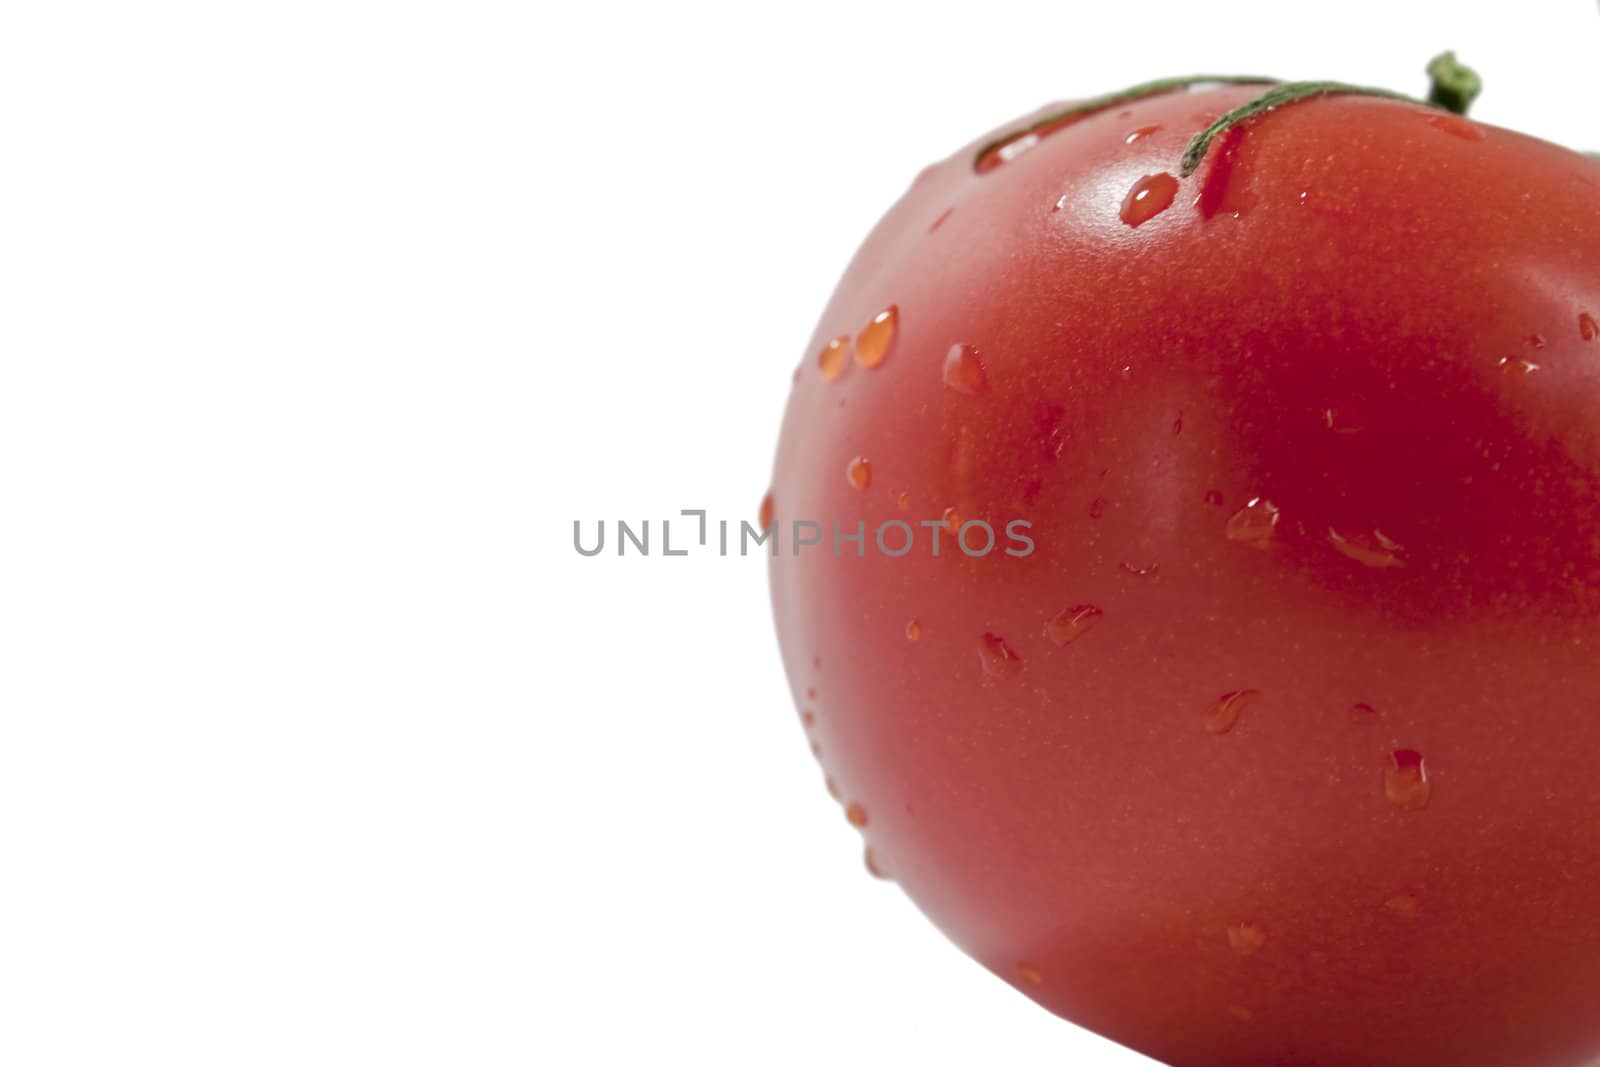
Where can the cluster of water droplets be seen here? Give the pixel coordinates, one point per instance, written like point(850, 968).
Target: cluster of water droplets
point(854, 812)
point(870, 346)
point(1259, 522)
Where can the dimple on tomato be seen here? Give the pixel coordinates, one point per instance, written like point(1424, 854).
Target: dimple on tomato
point(1267, 729)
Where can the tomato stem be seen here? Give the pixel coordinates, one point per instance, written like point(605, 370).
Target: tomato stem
point(1276, 97)
point(1453, 89)
point(1454, 86)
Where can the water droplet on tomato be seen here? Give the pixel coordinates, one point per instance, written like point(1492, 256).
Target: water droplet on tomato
point(903, 501)
point(1140, 134)
point(1350, 417)
point(914, 630)
point(964, 371)
point(834, 357)
point(1018, 143)
point(1140, 572)
point(1363, 713)
point(855, 815)
point(808, 718)
point(945, 214)
point(1246, 939)
point(1056, 442)
point(1006, 151)
point(859, 473)
point(833, 788)
point(1071, 624)
point(997, 657)
point(811, 694)
point(1457, 126)
point(1149, 197)
point(1029, 975)
point(877, 338)
point(816, 750)
point(952, 519)
point(1588, 328)
point(1254, 524)
point(1221, 716)
point(1405, 780)
point(765, 514)
point(1214, 498)
point(874, 865)
point(1061, 203)
point(1372, 549)
point(1519, 365)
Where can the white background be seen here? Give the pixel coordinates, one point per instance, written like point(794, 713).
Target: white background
point(319, 325)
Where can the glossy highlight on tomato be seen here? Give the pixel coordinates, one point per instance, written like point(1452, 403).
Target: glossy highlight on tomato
point(1283, 745)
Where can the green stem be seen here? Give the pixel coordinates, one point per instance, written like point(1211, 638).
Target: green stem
point(1453, 89)
point(1276, 97)
point(1137, 92)
point(1454, 86)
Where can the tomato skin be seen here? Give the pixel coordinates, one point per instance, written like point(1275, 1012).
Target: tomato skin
point(1376, 319)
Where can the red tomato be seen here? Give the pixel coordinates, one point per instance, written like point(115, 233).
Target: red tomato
point(1282, 745)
